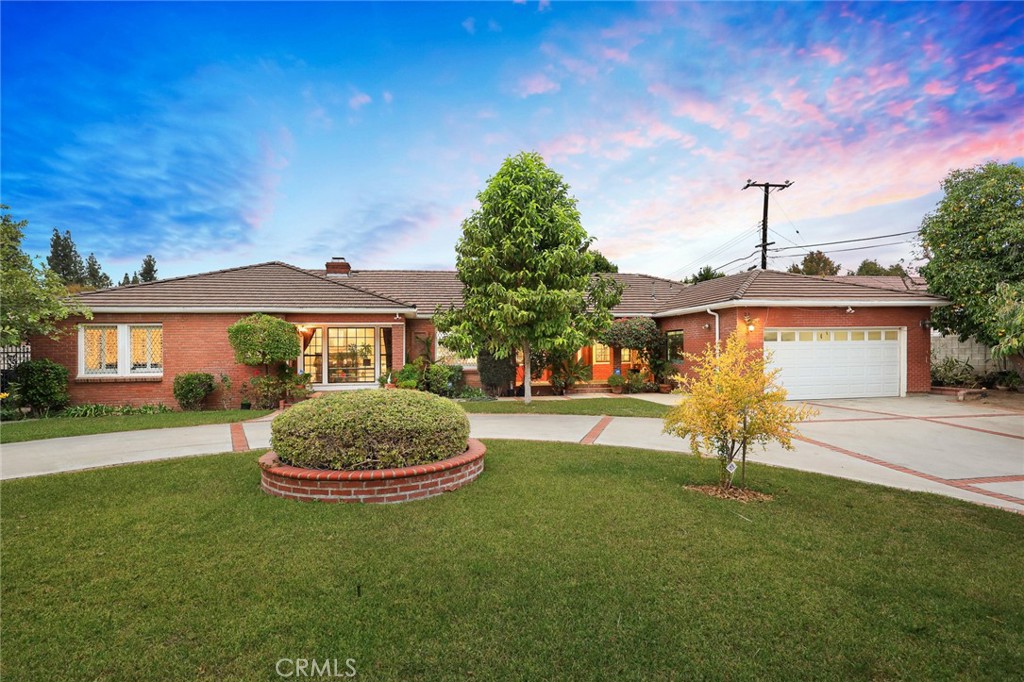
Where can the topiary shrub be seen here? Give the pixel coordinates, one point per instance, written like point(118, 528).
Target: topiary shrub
point(370, 430)
point(42, 385)
point(191, 389)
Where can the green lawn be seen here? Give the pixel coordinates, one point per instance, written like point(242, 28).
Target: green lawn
point(58, 427)
point(562, 562)
point(613, 407)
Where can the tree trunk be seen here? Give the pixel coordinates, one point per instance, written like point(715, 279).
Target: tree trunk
point(526, 372)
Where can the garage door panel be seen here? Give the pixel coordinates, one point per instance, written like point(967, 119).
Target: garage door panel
point(866, 367)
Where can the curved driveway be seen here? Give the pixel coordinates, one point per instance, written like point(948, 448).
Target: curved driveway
point(965, 450)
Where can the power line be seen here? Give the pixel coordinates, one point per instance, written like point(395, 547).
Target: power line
point(782, 236)
point(861, 248)
point(736, 260)
point(714, 253)
point(845, 241)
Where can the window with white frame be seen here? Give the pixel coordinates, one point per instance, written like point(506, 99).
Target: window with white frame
point(120, 349)
point(601, 354)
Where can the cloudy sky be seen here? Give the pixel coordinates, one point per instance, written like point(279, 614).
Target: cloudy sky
point(215, 135)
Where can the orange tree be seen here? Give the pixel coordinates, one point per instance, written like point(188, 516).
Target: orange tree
point(731, 401)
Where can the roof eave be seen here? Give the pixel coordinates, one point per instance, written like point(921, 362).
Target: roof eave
point(808, 303)
point(249, 309)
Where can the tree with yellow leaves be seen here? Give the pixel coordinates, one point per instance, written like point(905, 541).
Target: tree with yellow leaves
point(731, 401)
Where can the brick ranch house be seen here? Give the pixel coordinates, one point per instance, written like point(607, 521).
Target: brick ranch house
point(831, 338)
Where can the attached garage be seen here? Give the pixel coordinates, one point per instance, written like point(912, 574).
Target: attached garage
point(830, 337)
point(838, 363)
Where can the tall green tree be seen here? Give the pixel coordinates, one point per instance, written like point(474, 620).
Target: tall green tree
point(815, 263)
point(148, 271)
point(704, 274)
point(94, 275)
point(64, 258)
point(525, 263)
point(135, 278)
point(33, 299)
point(974, 242)
point(126, 280)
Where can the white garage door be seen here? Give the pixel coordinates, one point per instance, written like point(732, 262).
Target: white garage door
point(837, 363)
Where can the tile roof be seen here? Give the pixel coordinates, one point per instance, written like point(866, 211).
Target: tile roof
point(427, 289)
point(267, 287)
point(769, 285)
point(911, 283)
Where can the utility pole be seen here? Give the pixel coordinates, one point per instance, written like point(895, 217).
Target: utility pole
point(768, 187)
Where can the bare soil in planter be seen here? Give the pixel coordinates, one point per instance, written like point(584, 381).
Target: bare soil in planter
point(738, 494)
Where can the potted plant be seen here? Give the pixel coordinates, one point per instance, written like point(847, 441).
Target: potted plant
point(615, 383)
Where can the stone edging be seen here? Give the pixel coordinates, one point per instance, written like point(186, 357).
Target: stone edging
point(381, 486)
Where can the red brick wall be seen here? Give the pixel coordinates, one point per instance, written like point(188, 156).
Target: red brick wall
point(696, 338)
point(418, 328)
point(192, 343)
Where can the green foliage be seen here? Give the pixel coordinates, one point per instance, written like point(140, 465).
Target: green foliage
point(443, 380)
point(974, 240)
point(94, 275)
point(635, 382)
point(191, 389)
point(407, 383)
point(64, 258)
point(642, 335)
point(147, 273)
point(1008, 311)
point(263, 340)
point(34, 299)
point(527, 270)
point(568, 372)
point(97, 410)
point(873, 269)
point(815, 263)
point(473, 394)
point(42, 385)
point(602, 264)
point(616, 380)
point(704, 274)
point(496, 374)
point(410, 371)
point(267, 391)
point(953, 372)
point(370, 430)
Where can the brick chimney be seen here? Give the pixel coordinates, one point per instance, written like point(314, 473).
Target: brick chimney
point(338, 266)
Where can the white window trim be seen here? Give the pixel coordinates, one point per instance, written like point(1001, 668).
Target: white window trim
point(124, 351)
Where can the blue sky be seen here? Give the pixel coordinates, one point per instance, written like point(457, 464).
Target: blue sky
point(219, 134)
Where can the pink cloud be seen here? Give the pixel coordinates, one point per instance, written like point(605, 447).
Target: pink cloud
point(830, 54)
point(995, 89)
point(359, 100)
point(938, 89)
point(685, 106)
point(536, 84)
point(985, 68)
point(614, 55)
point(885, 78)
point(900, 109)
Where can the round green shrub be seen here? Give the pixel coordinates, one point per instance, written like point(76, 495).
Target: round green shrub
point(370, 430)
point(42, 385)
point(191, 389)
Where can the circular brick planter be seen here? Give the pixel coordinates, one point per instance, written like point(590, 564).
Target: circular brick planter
point(379, 486)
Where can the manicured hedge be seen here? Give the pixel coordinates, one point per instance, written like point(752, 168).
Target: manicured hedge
point(371, 429)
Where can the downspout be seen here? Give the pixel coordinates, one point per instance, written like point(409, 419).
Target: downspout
point(717, 332)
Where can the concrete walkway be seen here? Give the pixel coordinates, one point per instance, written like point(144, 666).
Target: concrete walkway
point(926, 443)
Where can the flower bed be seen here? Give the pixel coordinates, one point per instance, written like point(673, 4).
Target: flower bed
point(377, 486)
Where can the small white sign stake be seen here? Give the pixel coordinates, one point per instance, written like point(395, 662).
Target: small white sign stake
point(731, 467)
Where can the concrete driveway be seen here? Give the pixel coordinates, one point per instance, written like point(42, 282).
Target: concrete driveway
point(930, 443)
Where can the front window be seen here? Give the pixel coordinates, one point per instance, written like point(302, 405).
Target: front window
point(449, 357)
point(675, 346)
point(121, 349)
point(601, 355)
point(350, 355)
